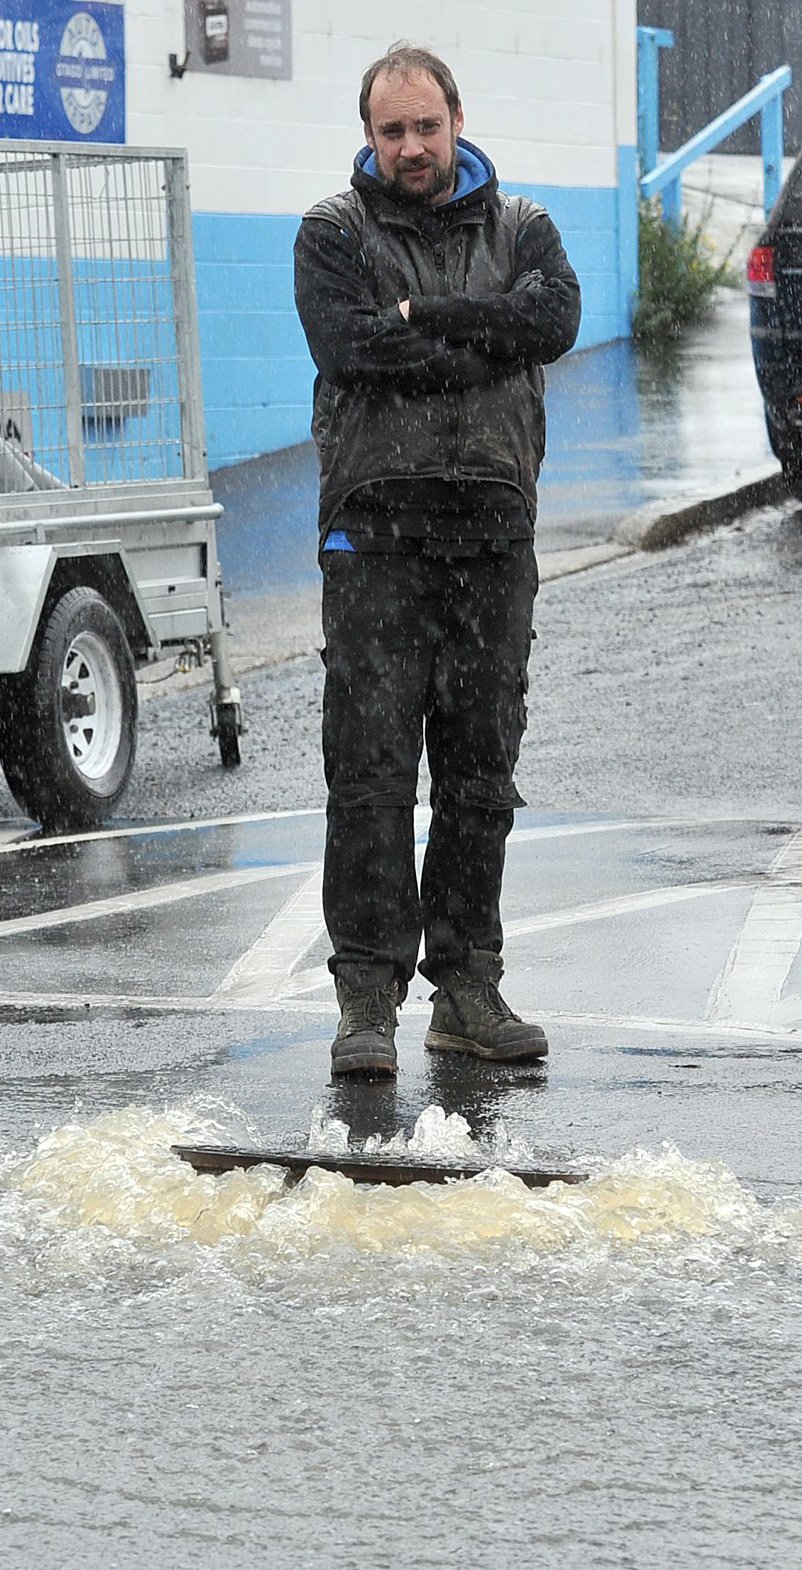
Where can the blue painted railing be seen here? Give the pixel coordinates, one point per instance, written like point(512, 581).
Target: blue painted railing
point(650, 41)
point(666, 178)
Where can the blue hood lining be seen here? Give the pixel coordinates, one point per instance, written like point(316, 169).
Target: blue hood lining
point(474, 169)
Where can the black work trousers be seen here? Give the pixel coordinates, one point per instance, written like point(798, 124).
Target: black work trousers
point(419, 645)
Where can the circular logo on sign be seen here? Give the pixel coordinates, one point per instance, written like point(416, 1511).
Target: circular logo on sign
point(83, 73)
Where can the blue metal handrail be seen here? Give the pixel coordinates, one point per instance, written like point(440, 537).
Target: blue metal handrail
point(650, 41)
point(666, 178)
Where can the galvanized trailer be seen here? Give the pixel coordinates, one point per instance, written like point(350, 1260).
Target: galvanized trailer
point(108, 556)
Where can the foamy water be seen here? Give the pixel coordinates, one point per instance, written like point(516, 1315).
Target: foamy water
point(201, 1370)
point(96, 1195)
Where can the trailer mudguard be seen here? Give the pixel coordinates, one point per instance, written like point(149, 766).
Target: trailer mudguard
point(26, 573)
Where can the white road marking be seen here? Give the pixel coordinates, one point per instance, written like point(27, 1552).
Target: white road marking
point(10, 840)
point(565, 830)
point(698, 1029)
point(149, 899)
point(680, 1027)
point(747, 1003)
point(310, 980)
point(263, 973)
point(318, 976)
point(618, 826)
point(624, 905)
point(751, 985)
point(189, 826)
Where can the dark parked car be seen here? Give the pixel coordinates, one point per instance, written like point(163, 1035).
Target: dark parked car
point(774, 280)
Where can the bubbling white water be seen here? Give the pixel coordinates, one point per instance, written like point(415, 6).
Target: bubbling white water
point(93, 1195)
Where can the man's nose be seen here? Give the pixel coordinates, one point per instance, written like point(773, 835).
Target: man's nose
point(412, 145)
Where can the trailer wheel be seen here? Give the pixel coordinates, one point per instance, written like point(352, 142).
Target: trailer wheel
point(68, 743)
point(227, 725)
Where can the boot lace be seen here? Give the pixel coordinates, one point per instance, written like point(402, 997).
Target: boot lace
point(369, 1010)
point(486, 996)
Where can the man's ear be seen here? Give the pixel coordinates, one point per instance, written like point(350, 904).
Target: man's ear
point(368, 136)
point(459, 121)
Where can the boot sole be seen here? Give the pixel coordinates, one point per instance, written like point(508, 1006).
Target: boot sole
point(435, 1041)
point(363, 1063)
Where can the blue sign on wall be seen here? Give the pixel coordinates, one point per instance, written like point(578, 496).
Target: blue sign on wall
point(62, 70)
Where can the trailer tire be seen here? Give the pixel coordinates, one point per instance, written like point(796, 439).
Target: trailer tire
point(68, 740)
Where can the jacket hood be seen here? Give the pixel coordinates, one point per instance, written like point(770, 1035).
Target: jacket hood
point(475, 173)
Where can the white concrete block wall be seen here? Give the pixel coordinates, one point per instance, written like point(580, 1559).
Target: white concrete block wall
point(538, 78)
point(548, 88)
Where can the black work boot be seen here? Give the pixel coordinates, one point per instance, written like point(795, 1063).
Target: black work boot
point(368, 996)
point(470, 1015)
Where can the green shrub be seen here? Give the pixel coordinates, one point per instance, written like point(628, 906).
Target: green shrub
point(678, 276)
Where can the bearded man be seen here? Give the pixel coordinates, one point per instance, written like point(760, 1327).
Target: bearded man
point(430, 301)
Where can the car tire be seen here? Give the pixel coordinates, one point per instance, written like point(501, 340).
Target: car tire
point(788, 452)
point(775, 433)
point(69, 722)
point(792, 475)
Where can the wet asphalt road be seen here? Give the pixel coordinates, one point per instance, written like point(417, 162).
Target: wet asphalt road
point(662, 752)
point(606, 1378)
point(659, 683)
point(153, 968)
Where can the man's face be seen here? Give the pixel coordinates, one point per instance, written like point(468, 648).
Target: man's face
point(413, 135)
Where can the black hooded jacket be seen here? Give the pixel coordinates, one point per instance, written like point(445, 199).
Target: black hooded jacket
point(456, 393)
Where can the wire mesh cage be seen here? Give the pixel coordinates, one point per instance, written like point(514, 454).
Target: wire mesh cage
point(99, 372)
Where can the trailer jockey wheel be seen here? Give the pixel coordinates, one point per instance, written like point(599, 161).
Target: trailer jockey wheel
point(227, 726)
point(68, 741)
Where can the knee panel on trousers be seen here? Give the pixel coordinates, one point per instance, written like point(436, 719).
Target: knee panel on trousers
point(488, 795)
point(390, 790)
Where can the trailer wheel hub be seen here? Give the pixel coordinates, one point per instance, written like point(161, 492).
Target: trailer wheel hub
point(91, 705)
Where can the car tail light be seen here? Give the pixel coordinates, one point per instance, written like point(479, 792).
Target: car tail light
point(760, 272)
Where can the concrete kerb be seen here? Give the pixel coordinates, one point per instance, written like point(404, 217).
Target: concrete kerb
point(274, 628)
point(655, 526)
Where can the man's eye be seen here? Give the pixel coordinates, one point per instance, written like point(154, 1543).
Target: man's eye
point(427, 127)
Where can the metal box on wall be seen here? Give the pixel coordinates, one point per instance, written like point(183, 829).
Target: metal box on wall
point(239, 37)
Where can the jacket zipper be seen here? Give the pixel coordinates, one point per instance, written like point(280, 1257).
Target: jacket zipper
point(439, 254)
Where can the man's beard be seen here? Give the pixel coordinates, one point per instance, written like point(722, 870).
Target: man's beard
point(442, 177)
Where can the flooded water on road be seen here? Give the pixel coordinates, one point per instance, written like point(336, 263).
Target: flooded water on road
point(200, 1370)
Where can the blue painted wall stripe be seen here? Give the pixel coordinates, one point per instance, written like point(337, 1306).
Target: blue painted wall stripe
point(257, 373)
point(627, 236)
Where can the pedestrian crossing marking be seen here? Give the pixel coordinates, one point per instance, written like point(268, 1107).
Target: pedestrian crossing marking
point(147, 899)
point(311, 980)
point(751, 985)
point(263, 972)
point(750, 997)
